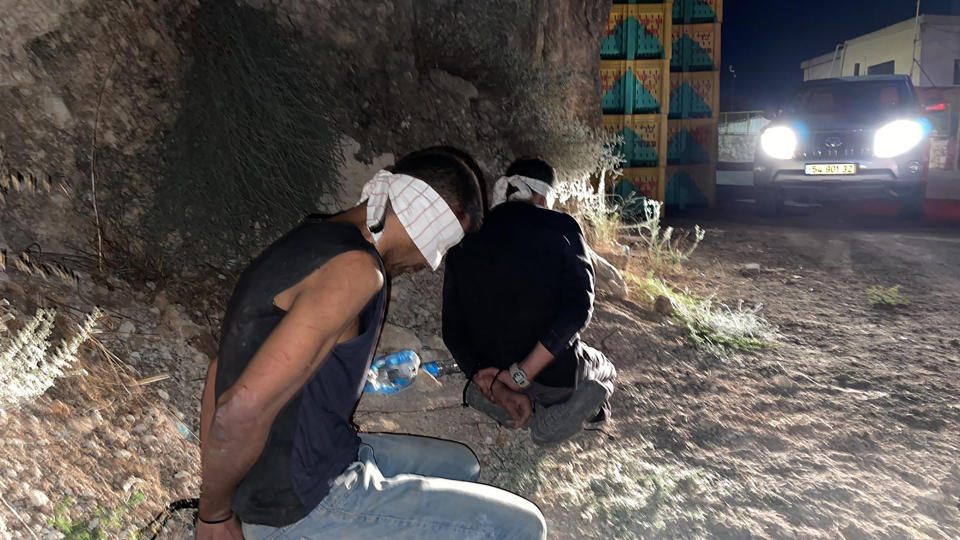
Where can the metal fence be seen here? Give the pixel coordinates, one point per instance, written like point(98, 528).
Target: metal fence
point(741, 123)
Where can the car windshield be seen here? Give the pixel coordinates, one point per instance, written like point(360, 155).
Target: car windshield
point(858, 97)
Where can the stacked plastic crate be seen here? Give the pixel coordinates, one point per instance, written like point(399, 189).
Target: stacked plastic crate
point(664, 99)
point(635, 78)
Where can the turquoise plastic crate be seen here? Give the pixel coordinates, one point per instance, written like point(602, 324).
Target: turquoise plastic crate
point(694, 95)
point(686, 103)
point(684, 149)
point(635, 150)
point(695, 11)
point(634, 34)
point(632, 87)
point(690, 55)
point(682, 192)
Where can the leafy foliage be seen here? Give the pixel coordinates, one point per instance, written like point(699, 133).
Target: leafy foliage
point(255, 146)
point(886, 296)
point(711, 325)
point(27, 367)
point(103, 523)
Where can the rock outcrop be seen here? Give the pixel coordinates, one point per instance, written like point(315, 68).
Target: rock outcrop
point(96, 85)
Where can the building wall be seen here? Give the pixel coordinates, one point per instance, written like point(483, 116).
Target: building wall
point(890, 44)
point(819, 68)
point(938, 48)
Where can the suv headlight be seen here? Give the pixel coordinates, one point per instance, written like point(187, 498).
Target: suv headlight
point(779, 142)
point(898, 137)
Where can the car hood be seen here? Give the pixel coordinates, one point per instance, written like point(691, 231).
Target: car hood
point(847, 121)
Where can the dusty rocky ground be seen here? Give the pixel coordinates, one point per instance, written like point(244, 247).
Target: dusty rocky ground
point(847, 427)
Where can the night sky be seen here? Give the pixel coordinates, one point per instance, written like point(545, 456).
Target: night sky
point(766, 40)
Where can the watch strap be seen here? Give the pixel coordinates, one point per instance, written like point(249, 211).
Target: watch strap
point(519, 376)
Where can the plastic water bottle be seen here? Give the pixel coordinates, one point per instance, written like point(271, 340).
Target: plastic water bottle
point(392, 373)
point(441, 367)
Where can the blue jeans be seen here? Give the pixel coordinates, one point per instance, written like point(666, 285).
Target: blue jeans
point(408, 487)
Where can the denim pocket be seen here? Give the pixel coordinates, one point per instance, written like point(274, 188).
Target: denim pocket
point(252, 531)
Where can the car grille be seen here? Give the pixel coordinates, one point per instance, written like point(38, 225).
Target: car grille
point(843, 145)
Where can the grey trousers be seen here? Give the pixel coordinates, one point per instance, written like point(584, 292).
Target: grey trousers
point(594, 366)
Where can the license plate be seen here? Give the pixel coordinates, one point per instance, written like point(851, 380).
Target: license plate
point(830, 169)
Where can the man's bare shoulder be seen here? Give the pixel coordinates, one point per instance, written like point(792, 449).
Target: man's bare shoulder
point(354, 272)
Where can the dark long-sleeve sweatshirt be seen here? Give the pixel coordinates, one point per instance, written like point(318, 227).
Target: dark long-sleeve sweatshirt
point(525, 277)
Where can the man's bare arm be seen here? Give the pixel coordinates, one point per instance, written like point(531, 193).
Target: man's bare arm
point(208, 403)
point(329, 303)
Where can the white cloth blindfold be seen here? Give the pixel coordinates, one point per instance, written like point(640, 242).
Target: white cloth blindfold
point(427, 218)
point(525, 188)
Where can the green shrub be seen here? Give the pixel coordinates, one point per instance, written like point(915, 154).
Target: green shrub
point(254, 147)
point(886, 297)
point(711, 325)
point(103, 523)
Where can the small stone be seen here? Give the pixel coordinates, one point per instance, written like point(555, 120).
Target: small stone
point(59, 408)
point(151, 285)
point(38, 498)
point(162, 394)
point(453, 84)
point(488, 440)
point(123, 454)
point(130, 482)
point(130, 418)
point(751, 269)
point(139, 428)
point(127, 327)
point(435, 342)
point(426, 383)
point(93, 524)
point(180, 475)
point(80, 426)
point(395, 338)
point(784, 382)
point(663, 305)
point(609, 281)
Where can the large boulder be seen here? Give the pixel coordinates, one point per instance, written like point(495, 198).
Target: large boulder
point(97, 86)
point(609, 281)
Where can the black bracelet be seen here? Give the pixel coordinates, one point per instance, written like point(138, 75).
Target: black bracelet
point(224, 520)
point(495, 380)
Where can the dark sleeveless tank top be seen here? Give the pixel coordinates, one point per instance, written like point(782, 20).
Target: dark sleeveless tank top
point(312, 440)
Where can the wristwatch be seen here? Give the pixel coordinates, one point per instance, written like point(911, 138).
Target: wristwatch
point(518, 376)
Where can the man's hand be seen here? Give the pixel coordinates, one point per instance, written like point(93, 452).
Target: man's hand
point(516, 404)
point(484, 381)
point(228, 530)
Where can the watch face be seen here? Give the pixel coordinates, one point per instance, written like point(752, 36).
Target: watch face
point(518, 377)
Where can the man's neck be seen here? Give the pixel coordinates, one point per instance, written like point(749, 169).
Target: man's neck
point(356, 216)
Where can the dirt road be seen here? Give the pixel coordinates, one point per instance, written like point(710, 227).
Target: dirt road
point(850, 424)
point(847, 427)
